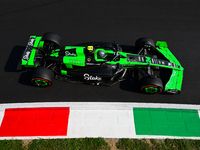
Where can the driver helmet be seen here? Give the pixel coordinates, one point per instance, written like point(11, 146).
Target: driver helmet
point(101, 54)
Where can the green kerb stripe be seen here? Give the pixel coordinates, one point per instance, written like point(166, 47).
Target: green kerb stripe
point(166, 122)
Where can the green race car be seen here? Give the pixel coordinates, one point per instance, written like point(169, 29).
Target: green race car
point(155, 67)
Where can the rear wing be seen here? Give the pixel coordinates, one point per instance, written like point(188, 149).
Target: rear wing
point(175, 82)
point(28, 59)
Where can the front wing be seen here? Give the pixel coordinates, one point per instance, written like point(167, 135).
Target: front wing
point(175, 81)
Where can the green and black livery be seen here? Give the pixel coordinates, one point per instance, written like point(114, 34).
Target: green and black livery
point(156, 67)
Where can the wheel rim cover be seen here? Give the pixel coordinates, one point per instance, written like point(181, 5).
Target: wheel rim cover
point(41, 82)
point(151, 89)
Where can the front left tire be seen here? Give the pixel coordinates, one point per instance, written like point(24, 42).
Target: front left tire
point(147, 44)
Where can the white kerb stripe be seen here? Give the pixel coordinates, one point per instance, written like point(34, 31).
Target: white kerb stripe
point(1, 115)
point(97, 123)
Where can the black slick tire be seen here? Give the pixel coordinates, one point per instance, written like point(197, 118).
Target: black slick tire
point(42, 77)
point(146, 43)
point(151, 85)
point(51, 37)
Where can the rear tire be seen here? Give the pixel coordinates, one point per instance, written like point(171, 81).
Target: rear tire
point(42, 77)
point(52, 38)
point(151, 85)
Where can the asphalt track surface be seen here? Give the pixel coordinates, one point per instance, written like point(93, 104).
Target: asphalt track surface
point(78, 21)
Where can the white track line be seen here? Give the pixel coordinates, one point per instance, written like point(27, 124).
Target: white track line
point(99, 105)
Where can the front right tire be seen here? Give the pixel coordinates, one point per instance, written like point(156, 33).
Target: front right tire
point(151, 85)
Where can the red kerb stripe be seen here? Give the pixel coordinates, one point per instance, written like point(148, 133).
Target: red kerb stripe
point(46, 121)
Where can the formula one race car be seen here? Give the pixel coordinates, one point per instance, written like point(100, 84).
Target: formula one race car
point(103, 63)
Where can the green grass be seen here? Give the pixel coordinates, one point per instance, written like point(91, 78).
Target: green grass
point(152, 144)
point(69, 144)
point(11, 145)
point(128, 144)
point(100, 144)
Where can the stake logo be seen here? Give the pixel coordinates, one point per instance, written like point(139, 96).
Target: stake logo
point(26, 56)
point(67, 53)
point(31, 41)
point(90, 77)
